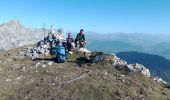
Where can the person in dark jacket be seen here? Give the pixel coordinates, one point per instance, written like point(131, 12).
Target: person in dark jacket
point(80, 39)
point(70, 42)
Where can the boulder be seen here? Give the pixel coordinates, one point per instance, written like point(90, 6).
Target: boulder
point(84, 50)
point(139, 68)
point(50, 63)
point(160, 80)
point(117, 62)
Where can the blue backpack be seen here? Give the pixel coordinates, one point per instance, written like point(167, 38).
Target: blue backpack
point(60, 54)
point(54, 50)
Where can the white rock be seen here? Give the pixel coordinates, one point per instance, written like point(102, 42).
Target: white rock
point(37, 64)
point(139, 68)
point(43, 66)
point(23, 69)
point(119, 62)
point(160, 80)
point(70, 52)
point(84, 50)
point(105, 72)
point(122, 75)
point(130, 67)
point(53, 84)
point(50, 63)
point(112, 54)
point(146, 72)
point(21, 53)
point(20, 77)
point(9, 60)
point(8, 80)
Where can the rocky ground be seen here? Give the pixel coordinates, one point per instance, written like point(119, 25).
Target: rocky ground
point(43, 79)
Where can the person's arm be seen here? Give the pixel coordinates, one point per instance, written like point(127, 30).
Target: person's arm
point(72, 39)
point(67, 40)
point(84, 37)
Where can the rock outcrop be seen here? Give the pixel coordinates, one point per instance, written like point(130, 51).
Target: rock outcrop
point(13, 34)
point(139, 68)
point(123, 65)
point(160, 80)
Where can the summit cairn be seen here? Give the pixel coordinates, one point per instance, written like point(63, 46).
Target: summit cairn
point(44, 46)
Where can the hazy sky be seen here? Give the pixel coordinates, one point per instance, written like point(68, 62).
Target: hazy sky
point(149, 16)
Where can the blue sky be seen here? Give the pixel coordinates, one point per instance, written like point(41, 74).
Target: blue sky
point(145, 16)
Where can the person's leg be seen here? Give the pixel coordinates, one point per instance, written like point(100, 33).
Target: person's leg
point(69, 46)
point(84, 43)
point(75, 43)
point(81, 45)
point(72, 46)
point(65, 45)
point(66, 48)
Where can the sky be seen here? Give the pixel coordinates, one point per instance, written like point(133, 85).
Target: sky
point(103, 16)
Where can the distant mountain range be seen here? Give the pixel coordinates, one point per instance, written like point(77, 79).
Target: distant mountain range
point(13, 34)
point(158, 44)
point(159, 66)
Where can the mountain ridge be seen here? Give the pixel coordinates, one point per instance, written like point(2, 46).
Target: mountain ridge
point(158, 65)
point(13, 34)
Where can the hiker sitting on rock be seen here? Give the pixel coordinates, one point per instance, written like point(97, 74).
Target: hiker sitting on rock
point(80, 39)
point(70, 42)
point(52, 38)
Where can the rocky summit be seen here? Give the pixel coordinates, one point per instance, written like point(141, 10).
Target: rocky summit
point(30, 72)
point(92, 76)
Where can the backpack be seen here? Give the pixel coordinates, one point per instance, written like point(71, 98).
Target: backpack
point(60, 54)
point(54, 50)
point(97, 57)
